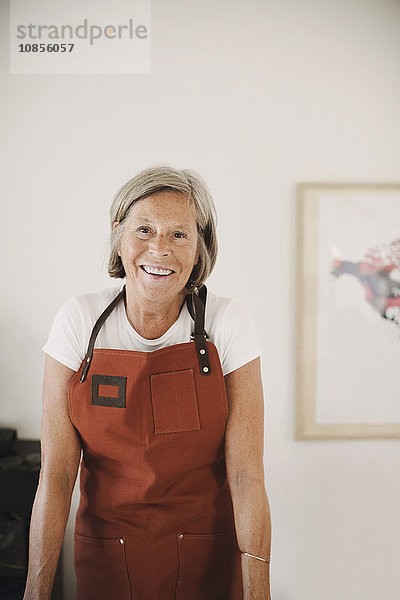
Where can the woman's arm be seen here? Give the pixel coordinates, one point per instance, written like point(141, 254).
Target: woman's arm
point(60, 461)
point(244, 443)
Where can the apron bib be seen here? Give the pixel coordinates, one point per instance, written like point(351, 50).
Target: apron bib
point(155, 520)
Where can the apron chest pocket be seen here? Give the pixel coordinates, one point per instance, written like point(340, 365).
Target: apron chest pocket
point(174, 402)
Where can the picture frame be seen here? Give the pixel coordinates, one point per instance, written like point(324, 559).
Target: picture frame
point(348, 311)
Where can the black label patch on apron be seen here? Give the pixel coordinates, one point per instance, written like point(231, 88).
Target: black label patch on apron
point(109, 390)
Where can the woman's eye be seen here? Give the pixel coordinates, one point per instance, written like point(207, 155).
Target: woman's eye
point(179, 234)
point(143, 229)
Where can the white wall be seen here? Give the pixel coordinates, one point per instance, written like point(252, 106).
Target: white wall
point(256, 96)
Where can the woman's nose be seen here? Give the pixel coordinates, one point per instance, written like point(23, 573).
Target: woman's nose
point(159, 246)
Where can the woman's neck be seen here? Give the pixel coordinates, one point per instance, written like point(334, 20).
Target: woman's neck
point(151, 319)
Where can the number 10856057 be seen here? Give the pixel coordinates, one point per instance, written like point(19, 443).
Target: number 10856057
point(45, 47)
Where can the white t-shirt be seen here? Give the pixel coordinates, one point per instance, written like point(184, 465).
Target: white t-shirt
point(227, 323)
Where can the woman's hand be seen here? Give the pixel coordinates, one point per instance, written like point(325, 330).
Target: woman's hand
point(244, 443)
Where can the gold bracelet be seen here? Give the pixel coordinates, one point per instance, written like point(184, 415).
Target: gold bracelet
point(257, 557)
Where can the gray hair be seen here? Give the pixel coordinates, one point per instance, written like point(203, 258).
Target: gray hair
point(165, 178)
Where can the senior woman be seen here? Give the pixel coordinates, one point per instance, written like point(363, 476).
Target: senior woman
point(158, 385)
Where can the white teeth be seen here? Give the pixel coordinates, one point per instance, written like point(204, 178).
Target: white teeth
point(155, 271)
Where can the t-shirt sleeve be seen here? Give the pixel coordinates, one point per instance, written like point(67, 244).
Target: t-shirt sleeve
point(237, 340)
point(67, 334)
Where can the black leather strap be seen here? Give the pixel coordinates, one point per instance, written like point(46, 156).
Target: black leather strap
point(196, 303)
point(202, 293)
point(98, 325)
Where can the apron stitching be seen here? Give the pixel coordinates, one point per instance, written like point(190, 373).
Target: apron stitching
point(223, 397)
point(180, 567)
point(155, 414)
point(127, 572)
point(139, 353)
point(195, 399)
point(176, 401)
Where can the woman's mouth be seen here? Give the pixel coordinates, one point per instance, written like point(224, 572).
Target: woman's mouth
point(158, 271)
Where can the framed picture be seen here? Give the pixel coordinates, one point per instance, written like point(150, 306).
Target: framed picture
point(348, 319)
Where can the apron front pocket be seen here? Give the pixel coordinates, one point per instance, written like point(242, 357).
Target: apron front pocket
point(174, 402)
point(209, 567)
point(101, 569)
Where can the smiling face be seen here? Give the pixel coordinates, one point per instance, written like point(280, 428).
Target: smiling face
point(158, 247)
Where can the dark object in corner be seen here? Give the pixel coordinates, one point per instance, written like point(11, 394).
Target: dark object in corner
point(7, 439)
point(19, 476)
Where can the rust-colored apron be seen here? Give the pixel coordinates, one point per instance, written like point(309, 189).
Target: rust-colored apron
point(155, 520)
